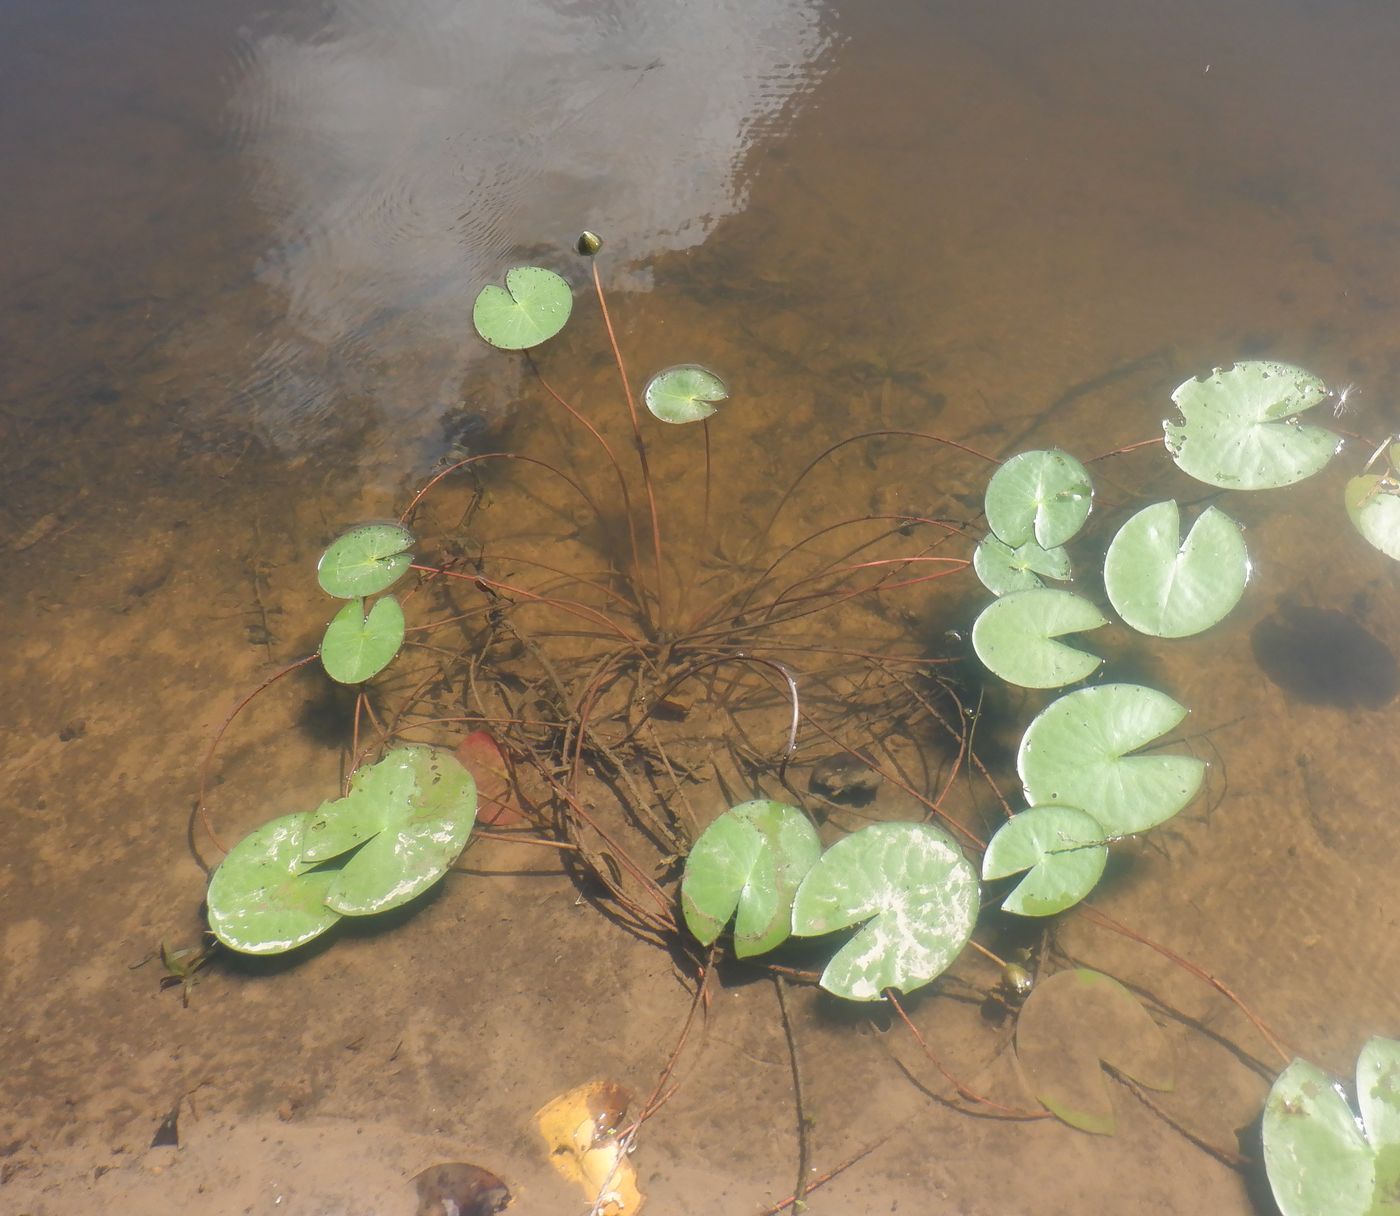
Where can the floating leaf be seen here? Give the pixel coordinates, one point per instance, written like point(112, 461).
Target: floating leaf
point(1063, 849)
point(1014, 637)
point(752, 858)
point(1169, 588)
point(1323, 1161)
point(263, 898)
point(1039, 496)
point(531, 308)
point(1238, 428)
point(1373, 503)
point(684, 394)
point(357, 647)
point(1071, 1021)
point(410, 814)
point(365, 561)
point(916, 890)
point(1075, 753)
point(1003, 569)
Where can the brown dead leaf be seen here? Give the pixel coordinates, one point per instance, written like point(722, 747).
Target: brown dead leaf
point(581, 1129)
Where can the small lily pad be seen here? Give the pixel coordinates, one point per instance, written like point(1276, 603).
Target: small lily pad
point(365, 561)
point(1003, 569)
point(915, 889)
point(1040, 496)
point(357, 647)
point(1071, 1021)
point(684, 394)
point(751, 859)
point(1075, 753)
point(1169, 588)
point(409, 815)
point(1014, 637)
point(1239, 428)
point(531, 308)
point(1322, 1160)
point(1061, 846)
point(264, 898)
point(1373, 504)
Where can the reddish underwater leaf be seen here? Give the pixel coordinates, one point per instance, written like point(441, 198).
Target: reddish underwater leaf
point(481, 757)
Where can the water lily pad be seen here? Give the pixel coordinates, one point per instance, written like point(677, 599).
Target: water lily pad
point(264, 898)
point(1171, 588)
point(1075, 753)
point(915, 889)
point(1373, 504)
point(1321, 1159)
point(1003, 569)
point(1239, 428)
point(365, 561)
point(531, 308)
point(684, 394)
point(410, 814)
point(1061, 846)
point(1039, 496)
point(1071, 1022)
point(751, 859)
point(1014, 637)
point(357, 647)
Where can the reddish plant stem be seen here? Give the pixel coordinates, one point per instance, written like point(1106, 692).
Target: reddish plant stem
point(1131, 447)
point(641, 449)
point(1105, 921)
point(822, 1179)
point(853, 567)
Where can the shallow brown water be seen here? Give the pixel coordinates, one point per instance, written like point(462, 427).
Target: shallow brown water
point(239, 252)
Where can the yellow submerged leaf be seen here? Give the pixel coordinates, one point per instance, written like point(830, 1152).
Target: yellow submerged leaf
point(581, 1129)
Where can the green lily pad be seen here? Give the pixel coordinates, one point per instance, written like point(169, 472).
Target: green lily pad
point(1014, 637)
point(365, 561)
point(1171, 588)
point(357, 647)
point(916, 890)
point(751, 859)
point(1373, 504)
point(264, 898)
point(1239, 429)
point(1039, 496)
point(531, 308)
point(1003, 569)
point(1321, 1160)
point(684, 394)
point(410, 815)
point(1061, 846)
point(1075, 753)
point(1071, 1023)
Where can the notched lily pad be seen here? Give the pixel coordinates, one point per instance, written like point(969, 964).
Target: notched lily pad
point(1040, 496)
point(684, 394)
point(1071, 1024)
point(1003, 569)
point(357, 647)
point(531, 308)
point(751, 859)
point(365, 561)
point(915, 889)
point(1061, 847)
point(1239, 428)
point(1015, 637)
point(1373, 505)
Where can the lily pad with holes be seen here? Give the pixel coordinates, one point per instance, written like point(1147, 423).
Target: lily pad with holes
point(265, 898)
point(1040, 496)
point(365, 561)
point(408, 816)
point(1072, 1024)
point(1061, 847)
point(531, 308)
point(357, 647)
point(684, 394)
point(750, 860)
point(1373, 504)
point(1239, 427)
point(913, 891)
point(1076, 753)
point(1170, 588)
point(1015, 637)
point(1003, 569)
point(1321, 1158)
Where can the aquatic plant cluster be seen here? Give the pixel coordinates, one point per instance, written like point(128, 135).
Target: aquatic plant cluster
point(588, 707)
